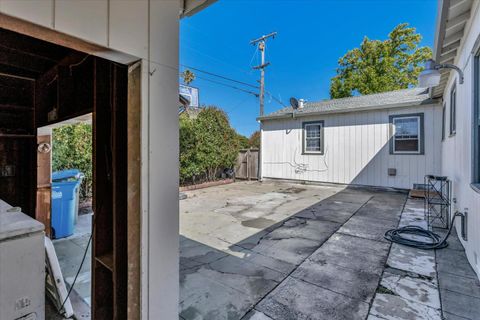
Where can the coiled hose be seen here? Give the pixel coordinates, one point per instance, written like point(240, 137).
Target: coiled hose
point(436, 242)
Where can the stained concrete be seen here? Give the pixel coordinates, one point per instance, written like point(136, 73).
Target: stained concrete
point(427, 284)
point(70, 252)
point(297, 299)
point(459, 285)
point(278, 251)
point(392, 307)
point(265, 251)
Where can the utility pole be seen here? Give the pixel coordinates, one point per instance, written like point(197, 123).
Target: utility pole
point(260, 42)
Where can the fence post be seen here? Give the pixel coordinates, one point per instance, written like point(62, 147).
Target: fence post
point(248, 164)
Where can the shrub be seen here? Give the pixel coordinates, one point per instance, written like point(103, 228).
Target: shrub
point(72, 149)
point(207, 145)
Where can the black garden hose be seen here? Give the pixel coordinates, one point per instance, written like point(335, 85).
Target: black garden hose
point(436, 242)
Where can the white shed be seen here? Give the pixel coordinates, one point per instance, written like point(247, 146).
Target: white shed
point(391, 139)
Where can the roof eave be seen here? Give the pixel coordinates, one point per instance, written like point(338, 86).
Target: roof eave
point(366, 108)
point(192, 7)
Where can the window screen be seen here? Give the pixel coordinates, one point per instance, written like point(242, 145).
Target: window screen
point(408, 134)
point(313, 137)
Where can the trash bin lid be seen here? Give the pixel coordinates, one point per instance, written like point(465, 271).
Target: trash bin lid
point(66, 174)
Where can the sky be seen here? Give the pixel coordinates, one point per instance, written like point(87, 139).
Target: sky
point(312, 36)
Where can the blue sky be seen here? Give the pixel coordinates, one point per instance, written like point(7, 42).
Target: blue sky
point(312, 36)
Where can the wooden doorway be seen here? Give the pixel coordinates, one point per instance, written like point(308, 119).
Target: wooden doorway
point(61, 83)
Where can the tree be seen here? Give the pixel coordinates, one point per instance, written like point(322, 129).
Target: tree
point(207, 144)
point(188, 76)
point(72, 149)
point(379, 66)
point(243, 142)
point(254, 140)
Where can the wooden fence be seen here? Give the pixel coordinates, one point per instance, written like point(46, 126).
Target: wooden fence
point(247, 164)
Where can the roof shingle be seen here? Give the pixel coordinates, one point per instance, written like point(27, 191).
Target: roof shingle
point(415, 96)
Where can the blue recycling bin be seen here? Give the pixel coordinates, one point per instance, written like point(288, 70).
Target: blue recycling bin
point(65, 185)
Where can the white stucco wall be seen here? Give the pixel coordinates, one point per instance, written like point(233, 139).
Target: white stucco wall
point(356, 149)
point(457, 150)
point(147, 29)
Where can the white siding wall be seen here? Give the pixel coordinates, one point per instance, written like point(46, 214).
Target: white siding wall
point(457, 150)
point(147, 29)
point(356, 149)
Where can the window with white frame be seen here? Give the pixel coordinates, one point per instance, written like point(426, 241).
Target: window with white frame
point(313, 137)
point(407, 134)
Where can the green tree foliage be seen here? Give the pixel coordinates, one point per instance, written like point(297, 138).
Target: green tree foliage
point(379, 66)
point(207, 144)
point(254, 140)
point(72, 149)
point(243, 142)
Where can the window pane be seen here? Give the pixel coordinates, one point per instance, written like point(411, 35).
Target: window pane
point(313, 144)
point(313, 131)
point(409, 145)
point(406, 128)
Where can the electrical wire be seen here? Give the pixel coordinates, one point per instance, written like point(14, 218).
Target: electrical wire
point(230, 86)
point(79, 269)
point(221, 77)
point(435, 242)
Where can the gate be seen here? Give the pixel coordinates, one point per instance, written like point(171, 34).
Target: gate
point(247, 164)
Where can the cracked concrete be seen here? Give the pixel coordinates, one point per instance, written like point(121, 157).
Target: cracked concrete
point(263, 251)
point(279, 251)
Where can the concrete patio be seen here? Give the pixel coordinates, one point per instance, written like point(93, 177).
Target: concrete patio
point(273, 250)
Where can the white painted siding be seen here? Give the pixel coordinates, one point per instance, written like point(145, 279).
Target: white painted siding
point(457, 149)
point(147, 29)
point(356, 149)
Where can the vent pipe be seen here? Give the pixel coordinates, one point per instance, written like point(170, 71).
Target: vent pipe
point(301, 103)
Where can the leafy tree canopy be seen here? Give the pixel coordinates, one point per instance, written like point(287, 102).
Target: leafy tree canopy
point(254, 140)
point(207, 144)
point(72, 149)
point(379, 66)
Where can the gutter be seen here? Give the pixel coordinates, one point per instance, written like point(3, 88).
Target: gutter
point(295, 114)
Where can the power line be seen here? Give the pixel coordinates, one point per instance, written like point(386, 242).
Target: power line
point(230, 86)
point(221, 77)
point(276, 99)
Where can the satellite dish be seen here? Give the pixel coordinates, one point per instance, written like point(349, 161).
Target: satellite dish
point(294, 103)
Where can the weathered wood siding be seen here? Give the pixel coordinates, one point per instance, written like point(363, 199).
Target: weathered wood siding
point(247, 164)
point(356, 149)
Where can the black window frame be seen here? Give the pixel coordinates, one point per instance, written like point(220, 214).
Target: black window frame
point(444, 120)
point(453, 110)
point(421, 133)
point(304, 136)
point(476, 124)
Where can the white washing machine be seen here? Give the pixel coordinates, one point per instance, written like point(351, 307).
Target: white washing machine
point(22, 266)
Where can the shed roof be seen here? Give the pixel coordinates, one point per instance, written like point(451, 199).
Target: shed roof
point(385, 100)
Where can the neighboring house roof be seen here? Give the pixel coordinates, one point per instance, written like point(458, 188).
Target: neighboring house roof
point(452, 22)
point(385, 100)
